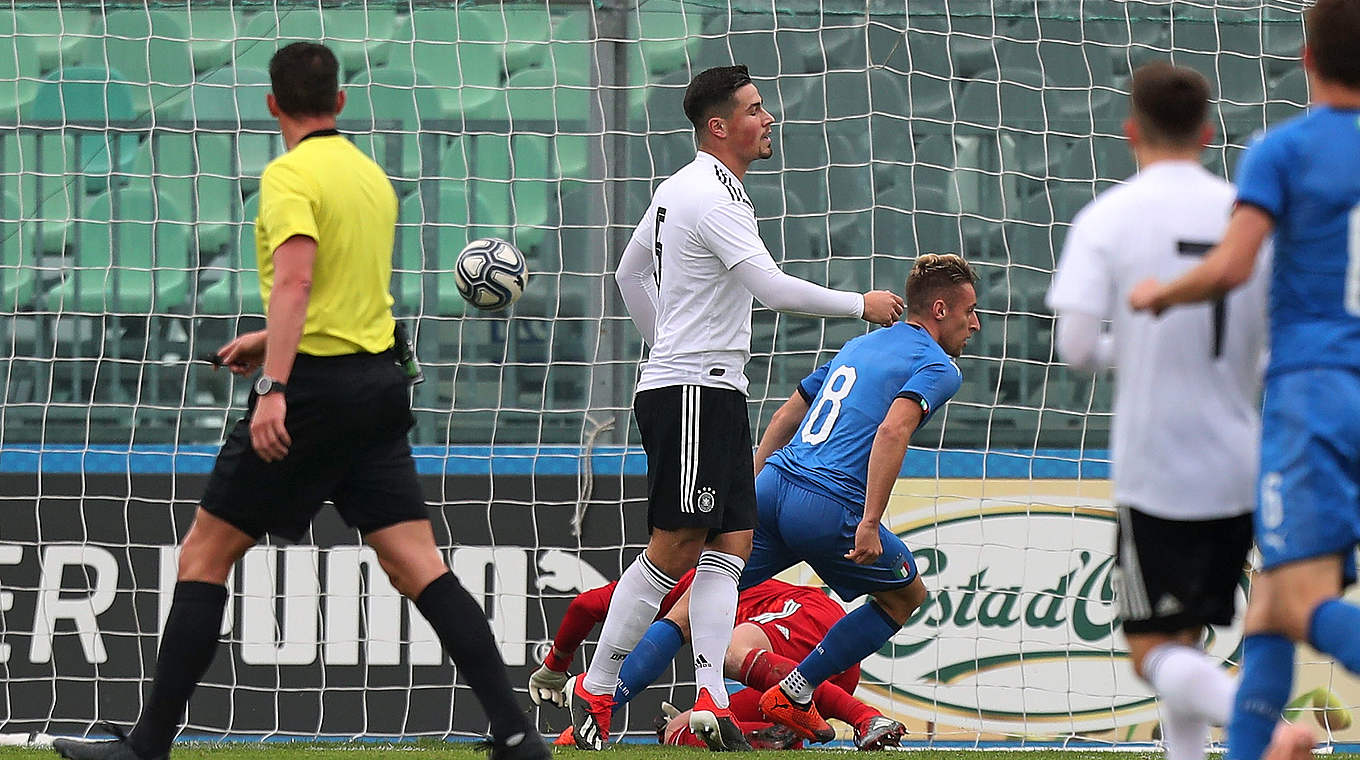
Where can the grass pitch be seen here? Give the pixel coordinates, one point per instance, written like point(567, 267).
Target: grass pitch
point(467, 751)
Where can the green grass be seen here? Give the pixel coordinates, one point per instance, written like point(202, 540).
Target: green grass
point(466, 751)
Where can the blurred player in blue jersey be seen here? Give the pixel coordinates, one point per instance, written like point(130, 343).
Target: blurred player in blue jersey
point(1301, 181)
point(828, 461)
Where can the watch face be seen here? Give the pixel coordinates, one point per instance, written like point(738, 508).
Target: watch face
point(262, 385)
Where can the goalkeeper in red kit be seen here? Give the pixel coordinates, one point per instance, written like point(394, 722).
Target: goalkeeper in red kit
point(778, 623)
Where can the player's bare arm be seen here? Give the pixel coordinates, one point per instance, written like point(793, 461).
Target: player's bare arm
point(885, 463)
point(781, 428)
point(293, 262)
point(1227, 266)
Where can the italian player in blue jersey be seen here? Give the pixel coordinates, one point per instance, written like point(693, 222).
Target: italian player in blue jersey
point(1301, 182)
point(828, 461)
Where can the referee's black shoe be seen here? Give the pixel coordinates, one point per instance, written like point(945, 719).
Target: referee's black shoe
point(117, 748)
point(524, 746)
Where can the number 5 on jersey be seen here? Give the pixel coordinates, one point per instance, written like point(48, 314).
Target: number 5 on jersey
point(834, 391)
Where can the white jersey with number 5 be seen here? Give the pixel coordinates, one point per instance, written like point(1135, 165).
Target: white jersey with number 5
point(700, 224)
point(1186, 428)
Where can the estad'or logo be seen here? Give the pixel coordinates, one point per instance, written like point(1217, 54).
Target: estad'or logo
point(1019, 633)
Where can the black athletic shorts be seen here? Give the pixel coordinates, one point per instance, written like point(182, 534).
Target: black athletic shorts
point(1172, 575)
point(699, 462)
point(348, 417)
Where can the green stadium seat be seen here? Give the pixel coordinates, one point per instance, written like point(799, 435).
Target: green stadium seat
point(429, 239)
point(236, 136)
point(58, 31)
point(237, 292)
point(667, 32)
point(33, 170)
point(571, 52)
point(756, 49)
point(360, 38)
point(125, 261)
point(89, 97)
point(538, 110)
point(19, 69)
point(190, 166)
point(18, 257)
point(211, 30)
point(466, 75)
point(149, 50)
point(841, 43)
point(401, 94)
point(520, 32)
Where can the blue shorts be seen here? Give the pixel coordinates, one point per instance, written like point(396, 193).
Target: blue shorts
point(802, 524)
point(1309, 490)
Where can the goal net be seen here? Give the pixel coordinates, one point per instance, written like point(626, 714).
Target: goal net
point(129, 171)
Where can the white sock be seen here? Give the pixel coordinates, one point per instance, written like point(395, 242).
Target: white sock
point(636, 600)
point(712, 611)
point(1191, 683)
point(797, 687)
point(1183, 735)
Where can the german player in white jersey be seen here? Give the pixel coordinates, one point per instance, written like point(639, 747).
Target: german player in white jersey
point(688, 277)
point(1187, 420)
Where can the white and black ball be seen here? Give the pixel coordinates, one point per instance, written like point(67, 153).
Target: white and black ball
point(491, 273)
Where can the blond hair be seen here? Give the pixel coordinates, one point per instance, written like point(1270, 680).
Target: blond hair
point(932, 274)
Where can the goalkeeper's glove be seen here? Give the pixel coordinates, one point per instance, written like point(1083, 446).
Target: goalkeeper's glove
point(548, 684)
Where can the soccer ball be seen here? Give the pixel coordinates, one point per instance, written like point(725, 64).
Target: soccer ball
point(490, 273)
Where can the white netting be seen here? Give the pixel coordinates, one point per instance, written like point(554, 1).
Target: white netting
point(128, 178)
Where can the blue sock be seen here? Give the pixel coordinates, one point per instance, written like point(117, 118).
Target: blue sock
point(648, 660)
point(1267, 677)
point(1332, 630)
point(853, 637)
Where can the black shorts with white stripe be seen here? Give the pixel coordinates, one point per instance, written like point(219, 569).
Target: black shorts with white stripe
point(699, 462)
point(1173, 575)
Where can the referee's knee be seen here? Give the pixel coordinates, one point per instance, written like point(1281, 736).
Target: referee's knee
point(410, 578)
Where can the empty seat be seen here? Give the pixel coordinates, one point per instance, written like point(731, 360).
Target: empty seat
point(359, 38)
point(148, 49)
point(20, 69)
point(128, 256)
point(237, 290)
point(94, 105)
point(466, 75)
point(58, 31)
point(18, 258)
point(395, 94)
point(236, 137)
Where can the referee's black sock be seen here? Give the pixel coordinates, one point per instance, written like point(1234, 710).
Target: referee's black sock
point(188, 644)
point(461, 625)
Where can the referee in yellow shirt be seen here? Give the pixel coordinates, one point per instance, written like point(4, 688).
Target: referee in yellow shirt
point(327, 420)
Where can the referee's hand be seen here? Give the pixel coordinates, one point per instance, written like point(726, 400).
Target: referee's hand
point(267, 433)
point(244, 354)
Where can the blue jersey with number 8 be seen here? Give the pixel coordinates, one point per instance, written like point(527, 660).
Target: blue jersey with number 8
point(850, 395)
point(1305, 173)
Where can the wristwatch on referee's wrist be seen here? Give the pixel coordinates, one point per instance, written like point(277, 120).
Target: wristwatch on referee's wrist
point(265, 385)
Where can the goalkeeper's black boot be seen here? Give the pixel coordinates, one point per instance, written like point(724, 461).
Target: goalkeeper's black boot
point(117, 748)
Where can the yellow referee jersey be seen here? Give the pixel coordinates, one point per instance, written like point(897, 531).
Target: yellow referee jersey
point(327, 189)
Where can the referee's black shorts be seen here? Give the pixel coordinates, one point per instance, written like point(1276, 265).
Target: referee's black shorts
point(348, 417)
point(699, 461)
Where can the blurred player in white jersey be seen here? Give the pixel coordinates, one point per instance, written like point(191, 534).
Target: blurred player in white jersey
point(687, 277)
point(1187, 418)
point(1299, 184)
